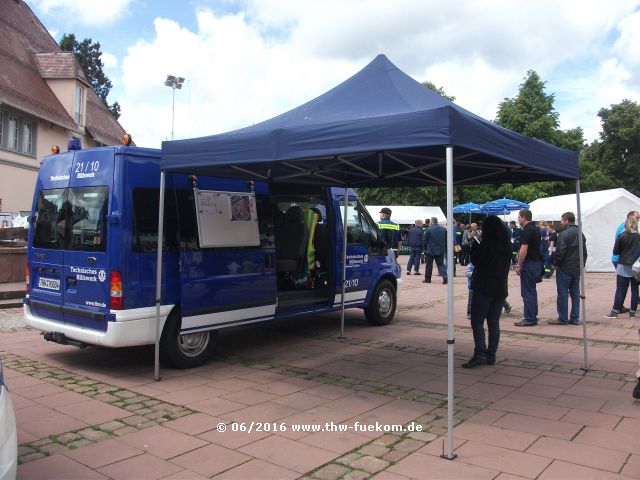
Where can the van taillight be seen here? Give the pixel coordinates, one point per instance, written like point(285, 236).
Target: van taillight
point(27, 278)
point(116, 290)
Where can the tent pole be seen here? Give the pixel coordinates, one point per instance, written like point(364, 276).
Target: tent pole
point(344, 258)
point(156, 362)
point(583, 296)
point(450, 340)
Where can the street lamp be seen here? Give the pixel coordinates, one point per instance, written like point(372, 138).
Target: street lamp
point(173, 82)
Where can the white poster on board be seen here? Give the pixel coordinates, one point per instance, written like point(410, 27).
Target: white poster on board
point(226, 219)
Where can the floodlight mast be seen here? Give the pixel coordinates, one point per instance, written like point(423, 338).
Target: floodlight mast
point(174, 83)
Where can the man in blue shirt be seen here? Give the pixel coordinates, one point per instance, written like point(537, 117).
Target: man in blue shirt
point(435, 247)
point(416, 235)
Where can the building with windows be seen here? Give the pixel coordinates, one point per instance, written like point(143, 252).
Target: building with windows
point(45, 100)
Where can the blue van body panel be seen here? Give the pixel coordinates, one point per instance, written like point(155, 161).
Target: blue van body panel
point(212, 288)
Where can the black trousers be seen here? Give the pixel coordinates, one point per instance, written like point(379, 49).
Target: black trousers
point(428, 266)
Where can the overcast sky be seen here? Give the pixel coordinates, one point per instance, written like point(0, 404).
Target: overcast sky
point(246, 61)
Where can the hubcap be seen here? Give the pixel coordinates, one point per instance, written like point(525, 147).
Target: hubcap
point(385, 302)
point(193, 344)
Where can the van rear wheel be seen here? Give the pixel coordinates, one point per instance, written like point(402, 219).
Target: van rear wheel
point(185, 351)
point(382, 307)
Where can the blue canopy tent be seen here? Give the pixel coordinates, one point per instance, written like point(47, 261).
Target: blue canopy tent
point(378, 128)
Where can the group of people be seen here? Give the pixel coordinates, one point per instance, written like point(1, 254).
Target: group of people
point(537, 251)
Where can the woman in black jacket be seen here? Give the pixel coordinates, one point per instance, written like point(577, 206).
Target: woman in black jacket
point(491, 259)
point(626, 247)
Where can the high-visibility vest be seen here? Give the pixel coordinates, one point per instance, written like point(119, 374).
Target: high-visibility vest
point(311, 219)
point(387, 232)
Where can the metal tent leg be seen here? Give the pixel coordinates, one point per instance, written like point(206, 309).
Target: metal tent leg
point(583, 297)
point(156, 363)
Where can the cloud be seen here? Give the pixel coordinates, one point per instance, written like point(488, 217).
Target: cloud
point(109, 60)
point(262, 60)
point(89, 12)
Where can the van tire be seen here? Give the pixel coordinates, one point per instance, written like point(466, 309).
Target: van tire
point(185, 351)
point(382, 306)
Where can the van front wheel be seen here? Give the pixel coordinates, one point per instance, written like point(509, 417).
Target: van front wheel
point(185, 351)
point(382, 306)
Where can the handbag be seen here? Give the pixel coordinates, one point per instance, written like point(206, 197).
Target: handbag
point(636, 270)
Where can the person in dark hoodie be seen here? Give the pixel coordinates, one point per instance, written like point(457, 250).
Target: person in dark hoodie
point(492, 261)
point(626, 247)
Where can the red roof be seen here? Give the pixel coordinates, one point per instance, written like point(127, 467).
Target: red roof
point(28, 55)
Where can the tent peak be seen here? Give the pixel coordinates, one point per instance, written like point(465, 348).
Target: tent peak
point(383, 63)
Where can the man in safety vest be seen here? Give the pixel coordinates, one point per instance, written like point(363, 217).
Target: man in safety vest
point(390, 230)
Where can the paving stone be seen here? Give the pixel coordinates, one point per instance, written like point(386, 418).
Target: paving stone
point(134, 420)
point(369, 464)
point(125, 394)
point(111, 426)
point(386, 440)
point(422, 436)
point(22, 450)
point(106, 397)
point(408, 445)
point(53, 448)
point(124, 431)
point(395, 456)
point(332, 471)
point(40, 443)
point(347, 459)
point(31, 457)
point(374, 450)
point(68, 437)
point(93, 435)
point(356, 475)
point(79, 443)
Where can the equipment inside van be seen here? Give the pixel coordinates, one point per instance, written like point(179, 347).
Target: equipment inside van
point(234, 253)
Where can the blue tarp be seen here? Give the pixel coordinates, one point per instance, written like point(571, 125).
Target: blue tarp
point(378, 128)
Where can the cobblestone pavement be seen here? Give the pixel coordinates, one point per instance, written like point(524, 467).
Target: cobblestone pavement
point(97, 413)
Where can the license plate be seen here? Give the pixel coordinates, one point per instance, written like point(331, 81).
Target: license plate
point(49, 283)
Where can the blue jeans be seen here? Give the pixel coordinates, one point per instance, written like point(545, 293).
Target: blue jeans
point(567, 285)
point(489, 308)
point(529, 275)
point(414, 259)
point(622, 284)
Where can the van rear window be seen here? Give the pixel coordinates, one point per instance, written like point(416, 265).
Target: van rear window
point(72, 219)
point(50, 229)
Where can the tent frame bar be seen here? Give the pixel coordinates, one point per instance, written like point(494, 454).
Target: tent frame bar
point(583, 296)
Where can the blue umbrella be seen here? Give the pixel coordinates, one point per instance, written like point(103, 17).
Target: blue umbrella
point(468, 208)
point(505, 205)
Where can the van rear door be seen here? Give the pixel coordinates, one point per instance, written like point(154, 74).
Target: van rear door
point(86, 274)
point(48, 237)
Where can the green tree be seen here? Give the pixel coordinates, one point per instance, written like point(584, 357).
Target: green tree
point(89, 56)
point(438, 90)
point(614, 159)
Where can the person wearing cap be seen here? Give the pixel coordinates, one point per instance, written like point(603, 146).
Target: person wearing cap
point(390, 230)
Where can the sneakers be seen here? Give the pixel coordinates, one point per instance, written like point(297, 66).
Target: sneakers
point(556, 321)
point(426, 281)
point(408, 273)
point(444, 281)
point(624, 309)
point(525, 323)
point(632, 314)
point(507, 308)
point(474, 362)
point(574, 322)
point(613, 314)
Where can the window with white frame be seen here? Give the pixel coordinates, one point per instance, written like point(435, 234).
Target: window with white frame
point(78, 106)
point(17, 133)
point(12, 133)
point(27, 137)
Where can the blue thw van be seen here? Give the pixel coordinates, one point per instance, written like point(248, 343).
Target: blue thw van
point(91, 262)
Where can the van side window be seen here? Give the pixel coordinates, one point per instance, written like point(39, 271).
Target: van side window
point(145, 220)
point(88, 218)
point(354, 228)
point(50, 228)
point(188, 223)
point(370, 231)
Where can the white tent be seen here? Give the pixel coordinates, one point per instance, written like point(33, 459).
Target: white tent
point(407, 215)
point(602, 213)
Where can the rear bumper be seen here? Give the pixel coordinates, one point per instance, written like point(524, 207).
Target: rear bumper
point(8, 437)
point(130, 328)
